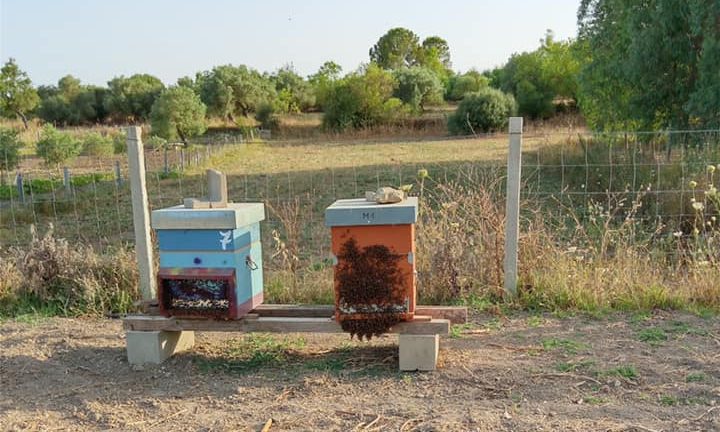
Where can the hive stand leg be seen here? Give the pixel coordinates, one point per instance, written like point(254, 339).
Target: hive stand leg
point(418, 352)
point(156, 346)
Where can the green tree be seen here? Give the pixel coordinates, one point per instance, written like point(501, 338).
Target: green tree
point(485, 111)
point(397, 48)
point(178, 112)
point(94, 144)
point(294, 93)
point(17, 95)
point(362, 99)
point(10, 146)
point(229, 91)
point(650, 64)
point(56, 147)
point(132, 98)
point(434, 54)
point(71, 103)
point(323, 80)
point(418, 86)
point(469, 82)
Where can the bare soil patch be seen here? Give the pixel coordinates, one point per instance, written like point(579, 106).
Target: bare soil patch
point(522, 373)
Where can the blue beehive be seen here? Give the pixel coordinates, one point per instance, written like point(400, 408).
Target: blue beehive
point(210, 260)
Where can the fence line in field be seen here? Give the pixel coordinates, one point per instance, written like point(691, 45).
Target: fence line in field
point(586, 173)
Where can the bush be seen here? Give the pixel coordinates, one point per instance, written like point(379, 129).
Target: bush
point(484, 111)
point(267, 117)
point(56, 147)
point(155, 142)
point(95, 144)
point(363, 99)
point(119, 142)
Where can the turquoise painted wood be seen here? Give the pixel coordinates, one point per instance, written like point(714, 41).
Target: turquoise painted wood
point(208, 240)
point(186, 245)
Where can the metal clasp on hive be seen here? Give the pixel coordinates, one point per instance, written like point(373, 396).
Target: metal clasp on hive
point(252, 265)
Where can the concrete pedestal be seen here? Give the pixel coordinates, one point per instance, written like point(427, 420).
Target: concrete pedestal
point(156, 346)
point(418, 352)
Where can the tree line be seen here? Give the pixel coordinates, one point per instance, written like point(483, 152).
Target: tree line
point(646, 65)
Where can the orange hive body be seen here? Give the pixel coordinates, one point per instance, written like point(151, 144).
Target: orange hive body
point(374, 250)
point(399, 239)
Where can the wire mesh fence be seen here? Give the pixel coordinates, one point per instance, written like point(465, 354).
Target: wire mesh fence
point(572, 181)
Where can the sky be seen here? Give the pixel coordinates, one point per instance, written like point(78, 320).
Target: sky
point(96, 40)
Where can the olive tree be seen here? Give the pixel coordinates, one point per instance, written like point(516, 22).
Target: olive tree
point(56, 147)
point(17, 95)
point(178, 113)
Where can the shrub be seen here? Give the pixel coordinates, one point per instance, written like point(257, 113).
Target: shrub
point(95, 144)
point(155, 142)
point(56, 147)
point(119, 142)
point(484, 111)
point(360, 100)
point(267, 117)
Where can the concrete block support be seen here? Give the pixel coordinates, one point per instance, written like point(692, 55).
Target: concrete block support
point(418, 352)
point(156, 346)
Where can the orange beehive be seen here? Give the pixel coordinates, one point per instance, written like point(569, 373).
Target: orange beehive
point(374, 250)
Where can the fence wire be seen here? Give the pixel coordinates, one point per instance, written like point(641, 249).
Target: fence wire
point(656, 178)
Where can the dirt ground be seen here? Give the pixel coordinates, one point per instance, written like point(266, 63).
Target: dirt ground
point(523, 373)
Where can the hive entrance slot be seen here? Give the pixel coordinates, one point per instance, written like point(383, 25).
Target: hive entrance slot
point(196, 297)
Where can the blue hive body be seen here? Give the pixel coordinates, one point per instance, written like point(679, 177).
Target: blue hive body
point(213, 257)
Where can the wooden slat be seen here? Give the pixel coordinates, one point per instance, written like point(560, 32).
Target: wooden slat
point(456, 314)
point(272, 325)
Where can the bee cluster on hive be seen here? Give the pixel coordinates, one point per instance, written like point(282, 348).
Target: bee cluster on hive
point(370, 289)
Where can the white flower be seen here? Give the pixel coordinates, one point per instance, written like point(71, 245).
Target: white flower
point(711, 169)
point(678, 234)
point(692, 184)
point(698, 206)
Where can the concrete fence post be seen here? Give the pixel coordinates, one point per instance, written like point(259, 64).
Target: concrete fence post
point(20, 188)
point(512, 206)
point(67, 182)
point(141, 212)
point(118, 174)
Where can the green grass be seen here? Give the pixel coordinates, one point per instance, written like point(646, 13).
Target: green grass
point(535, 321)
point(696, 377)
point(653, 335)
point(252, 352)
point(573, 366)
point(624, 371)
point(568, 346)
point(456, 330)
point(594, 400)
point(669, 400)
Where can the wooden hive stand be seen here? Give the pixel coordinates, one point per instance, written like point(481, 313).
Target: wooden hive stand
point(152, 338)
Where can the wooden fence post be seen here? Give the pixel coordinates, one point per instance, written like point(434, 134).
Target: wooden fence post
point(512, 205)
point(141, 212)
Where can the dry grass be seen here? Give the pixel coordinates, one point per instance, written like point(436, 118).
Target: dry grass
point(73, 279)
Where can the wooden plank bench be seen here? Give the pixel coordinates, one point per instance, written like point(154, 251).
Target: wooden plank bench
point(152, 338)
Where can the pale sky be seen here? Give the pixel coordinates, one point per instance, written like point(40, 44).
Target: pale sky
point(97, 40)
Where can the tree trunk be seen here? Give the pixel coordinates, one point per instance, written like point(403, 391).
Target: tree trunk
point(182, 137)
point(23, 118)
